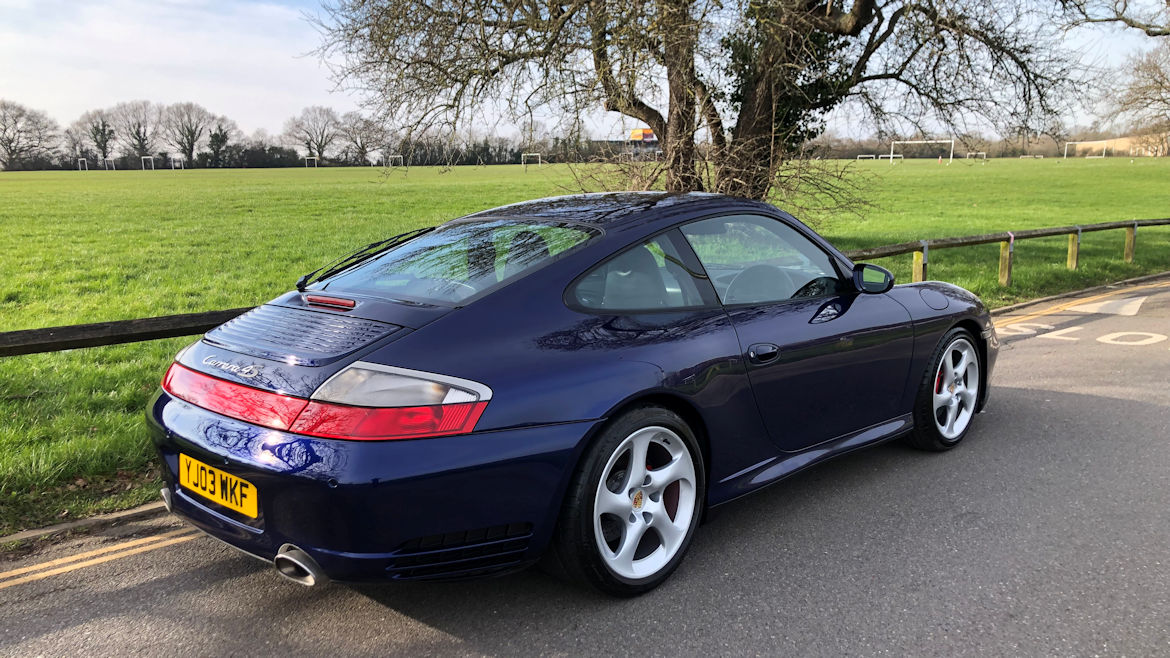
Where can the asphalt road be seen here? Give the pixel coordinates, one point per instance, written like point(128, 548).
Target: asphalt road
point(1045, 533)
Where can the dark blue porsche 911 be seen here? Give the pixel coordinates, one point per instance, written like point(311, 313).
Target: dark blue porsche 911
point(578, 379)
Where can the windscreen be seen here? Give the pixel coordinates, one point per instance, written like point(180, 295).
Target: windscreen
point(458, 260)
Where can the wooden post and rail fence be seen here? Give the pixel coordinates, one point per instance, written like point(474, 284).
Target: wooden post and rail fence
point(54, 339)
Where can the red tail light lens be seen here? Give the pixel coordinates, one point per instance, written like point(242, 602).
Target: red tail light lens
point(322, 418)
point(337, 421)
point(263, 408)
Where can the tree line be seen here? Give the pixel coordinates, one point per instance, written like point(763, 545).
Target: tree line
point(121, 136)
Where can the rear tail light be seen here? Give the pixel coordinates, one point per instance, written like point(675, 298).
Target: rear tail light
point(263, 408)
point(366, 401)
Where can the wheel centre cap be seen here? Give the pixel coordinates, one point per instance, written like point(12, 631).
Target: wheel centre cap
point(638, 499)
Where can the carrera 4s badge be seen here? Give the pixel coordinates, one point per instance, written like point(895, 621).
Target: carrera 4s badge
point(248, 371)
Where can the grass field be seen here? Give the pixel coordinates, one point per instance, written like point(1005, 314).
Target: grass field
point(90, 246)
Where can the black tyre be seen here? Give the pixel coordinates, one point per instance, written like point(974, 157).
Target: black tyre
point(948, 393)
point(633, 505)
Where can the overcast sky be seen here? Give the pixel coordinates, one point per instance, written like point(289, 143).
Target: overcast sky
point(247, 59)
point(242, 58)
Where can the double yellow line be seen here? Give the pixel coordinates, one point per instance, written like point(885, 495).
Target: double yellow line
point(90, 558)
point(1077, 302)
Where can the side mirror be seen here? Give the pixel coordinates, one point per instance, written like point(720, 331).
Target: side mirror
point(872, 279)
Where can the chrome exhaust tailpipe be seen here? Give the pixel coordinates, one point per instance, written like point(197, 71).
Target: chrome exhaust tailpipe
point(167, 501)
point(296, 565)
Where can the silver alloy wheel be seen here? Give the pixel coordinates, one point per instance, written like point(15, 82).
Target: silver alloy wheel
point(645, 502)
point(956, 388)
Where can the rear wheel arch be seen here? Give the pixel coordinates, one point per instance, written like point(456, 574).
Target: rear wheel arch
point(677, 404)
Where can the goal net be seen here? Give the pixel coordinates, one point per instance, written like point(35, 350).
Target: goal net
point(150, 159)
point(916, 151)
point(313, 158)
point(525, 158)
point(1091, 149)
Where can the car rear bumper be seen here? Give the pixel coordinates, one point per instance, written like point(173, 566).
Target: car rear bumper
point(446, 507)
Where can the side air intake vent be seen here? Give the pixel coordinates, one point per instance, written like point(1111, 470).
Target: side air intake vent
point(297, 336)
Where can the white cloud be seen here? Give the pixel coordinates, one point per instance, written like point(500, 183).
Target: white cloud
point(247, 60)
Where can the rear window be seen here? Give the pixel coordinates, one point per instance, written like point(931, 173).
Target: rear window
point(462, 259)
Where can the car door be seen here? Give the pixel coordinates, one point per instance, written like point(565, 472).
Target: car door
point(823, 360)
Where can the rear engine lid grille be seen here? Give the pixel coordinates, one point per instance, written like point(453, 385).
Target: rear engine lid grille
point(296, 336)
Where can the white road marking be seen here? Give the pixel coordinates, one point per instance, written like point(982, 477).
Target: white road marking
point(1060, 334)
point(1022, 329)
point(1146, 338)
point(1128, 306)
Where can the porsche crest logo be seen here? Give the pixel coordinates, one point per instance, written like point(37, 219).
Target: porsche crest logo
point(638, 499)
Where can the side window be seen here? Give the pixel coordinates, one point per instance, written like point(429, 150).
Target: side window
point(648, 277)
point(753, 259)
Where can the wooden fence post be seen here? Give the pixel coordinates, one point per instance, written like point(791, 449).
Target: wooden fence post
point(1074, 249)
point(920, 258)
point(1006, 250)
point(1130, 242)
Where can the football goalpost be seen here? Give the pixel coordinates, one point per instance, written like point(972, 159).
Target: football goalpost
point(144, 159)
point(866, 156)
point(391, 159)
point(177, 161)
point(1104, 148)
point(978, 155)
point(82, 164)
point(313, 158)
point(950, 157)
point(108, 163)
point(525, 157)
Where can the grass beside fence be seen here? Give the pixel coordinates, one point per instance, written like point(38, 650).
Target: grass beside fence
point(93, 246)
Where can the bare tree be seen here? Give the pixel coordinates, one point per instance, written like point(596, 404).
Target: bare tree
point(1148, 16)
point(75, 143)
point(137, 126)
point(316, 128)
point(25, 135)
point(1144, 98)
point(98, 127)
point(754, 77)
point(185, 127)
point(1145, 91)
point(361, 135)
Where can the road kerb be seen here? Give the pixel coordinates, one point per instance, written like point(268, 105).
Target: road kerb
point(150, 510)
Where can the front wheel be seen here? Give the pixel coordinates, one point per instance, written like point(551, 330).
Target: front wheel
point(633, 505)
point(948, 393)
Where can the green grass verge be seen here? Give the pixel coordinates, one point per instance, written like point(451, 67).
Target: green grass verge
point(92, 246)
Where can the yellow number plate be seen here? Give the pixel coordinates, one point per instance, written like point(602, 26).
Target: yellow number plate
point(215, 485)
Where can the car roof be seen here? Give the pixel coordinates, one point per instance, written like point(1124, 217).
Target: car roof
point(607, 209)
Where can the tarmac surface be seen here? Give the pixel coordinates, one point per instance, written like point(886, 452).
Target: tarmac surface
point(1047, 532)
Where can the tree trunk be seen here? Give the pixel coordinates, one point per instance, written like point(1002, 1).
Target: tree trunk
point(680, 33)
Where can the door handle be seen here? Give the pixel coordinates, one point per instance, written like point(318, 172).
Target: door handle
point(763, 352)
